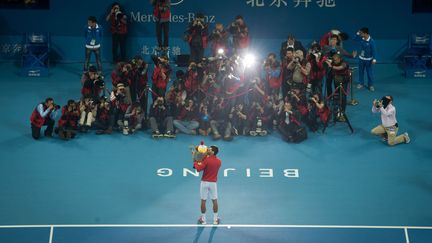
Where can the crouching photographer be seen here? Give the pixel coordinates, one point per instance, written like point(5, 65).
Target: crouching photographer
point(289, 126)
point(68, 122)
point(389, 127)
point(134, 117)
point(44, 115)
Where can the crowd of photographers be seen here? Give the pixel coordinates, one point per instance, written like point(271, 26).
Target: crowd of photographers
point(223, 96)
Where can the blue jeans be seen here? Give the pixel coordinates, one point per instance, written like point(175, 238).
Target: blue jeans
point(186, 126)
point(364, 64)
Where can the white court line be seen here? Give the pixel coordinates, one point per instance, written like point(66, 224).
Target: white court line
point(51, 234)
point(209, 225)
point(406, 235)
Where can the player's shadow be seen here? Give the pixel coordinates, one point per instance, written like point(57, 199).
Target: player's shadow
point(200, 231)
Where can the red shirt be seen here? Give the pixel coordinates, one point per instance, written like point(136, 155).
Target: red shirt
point(210, 165)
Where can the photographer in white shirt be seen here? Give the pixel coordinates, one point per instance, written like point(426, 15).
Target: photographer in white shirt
point(389, 127)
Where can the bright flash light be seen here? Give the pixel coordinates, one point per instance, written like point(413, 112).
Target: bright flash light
point(249, 60)
point(220, 51)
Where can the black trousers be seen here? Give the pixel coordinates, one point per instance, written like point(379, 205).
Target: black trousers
point(98, 58)
point(196, 54)
point(36, 131)
point(119, 42)
point(162, 28)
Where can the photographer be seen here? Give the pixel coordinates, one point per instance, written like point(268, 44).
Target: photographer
point(161, 120)
point(139, 81)
point(293, 44)
point(119, 32)
point(119, 105)
point(318, 69)
point(134, 117)
point(389, 127)
point(88, 110)
point(160, 77)
point(204, 120)
point(259, 91)
point(93, 38)
point(219, 40)
point(104, 120)
point(68, 122)
point(287, 73)
point(325, 39)
point(197, 37)
point(240, 34)
point(329, 51)
point(162, 15)
point(259, 119)
point(297, 99)
point(317, 110)
point(92, 83)
point(219, 113)
point(191, 83)
point(272, 72)
point(186, 121)
point(289, 126)
point(239, 120)
point(44, 115)
point(300, 68)
point(339, 75)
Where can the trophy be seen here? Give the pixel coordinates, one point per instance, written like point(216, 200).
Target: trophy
point(199, 152)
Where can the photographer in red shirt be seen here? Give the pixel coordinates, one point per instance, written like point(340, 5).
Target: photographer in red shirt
point(210, 165)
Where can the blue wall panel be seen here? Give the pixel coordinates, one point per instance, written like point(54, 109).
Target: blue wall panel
point(269, 21)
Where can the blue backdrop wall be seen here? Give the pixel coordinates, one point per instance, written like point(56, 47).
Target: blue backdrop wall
point(269, 21)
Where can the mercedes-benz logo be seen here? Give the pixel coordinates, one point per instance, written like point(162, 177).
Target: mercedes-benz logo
point(176, 2)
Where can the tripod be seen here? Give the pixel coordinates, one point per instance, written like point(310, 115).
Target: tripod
point(336, 108)
point(352, 101)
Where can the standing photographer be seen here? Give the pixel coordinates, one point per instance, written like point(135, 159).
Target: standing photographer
point(197, 37)
point(339, 75)
point(119, 32)
point(162, 14)
point(240, 34)
point(389, 126)
point(44, 115)
point(160, 77)
point(219, 39)
point(272, 72)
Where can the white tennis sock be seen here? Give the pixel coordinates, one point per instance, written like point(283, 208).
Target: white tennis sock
point(203, 216)
point(215, 216)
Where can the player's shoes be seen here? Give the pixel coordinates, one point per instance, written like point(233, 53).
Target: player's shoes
point(217, 221)
point(201, 221)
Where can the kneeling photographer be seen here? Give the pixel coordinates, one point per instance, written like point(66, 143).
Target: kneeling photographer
point(389, 126)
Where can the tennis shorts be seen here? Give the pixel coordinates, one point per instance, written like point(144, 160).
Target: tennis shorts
point(208, 190)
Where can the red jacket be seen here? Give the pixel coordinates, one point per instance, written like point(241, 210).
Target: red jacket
point(68, 119)
point(36, 119)
point(158, 81)
point(318, 70)
point(210, 165)
point(117, 26)
point(162, 10)
point(191, 83)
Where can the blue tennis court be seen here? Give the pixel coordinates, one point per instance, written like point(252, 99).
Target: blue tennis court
point(334, 187)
